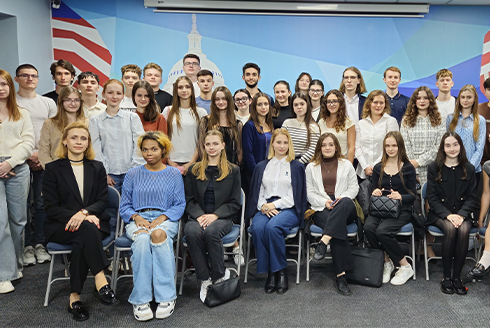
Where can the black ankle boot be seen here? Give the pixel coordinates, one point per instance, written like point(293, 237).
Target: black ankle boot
point(281, 281)
point(270, 284)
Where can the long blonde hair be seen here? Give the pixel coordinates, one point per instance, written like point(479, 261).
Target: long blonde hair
point(474, 111)
point(224, 167)
point(272, 152)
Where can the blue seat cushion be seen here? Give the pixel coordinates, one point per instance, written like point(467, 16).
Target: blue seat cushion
point(351, 229)
point(123, 241)
point(407, 228)
point(436, 230)
point(55, 247)
point(482, 231)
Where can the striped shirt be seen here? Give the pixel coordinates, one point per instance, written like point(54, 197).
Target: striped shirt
point(299, 136)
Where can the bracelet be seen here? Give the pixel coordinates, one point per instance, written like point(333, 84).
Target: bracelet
point(133, 216)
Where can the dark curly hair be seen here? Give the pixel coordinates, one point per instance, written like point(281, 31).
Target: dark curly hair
point(410, 117)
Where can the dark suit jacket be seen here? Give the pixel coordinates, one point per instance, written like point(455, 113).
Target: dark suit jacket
point(298, 181)
point(362, 100)
point(227, 194)
point(62, 197)
point(451, 196)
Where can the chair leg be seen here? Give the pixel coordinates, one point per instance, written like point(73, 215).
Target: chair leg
point(247, 259)
point(413, 256)
point(50, 276)
point(115, 269)
point(426, 260)
point(298, 265)
point(308, 242)
point(177, 248)
point(184, 257)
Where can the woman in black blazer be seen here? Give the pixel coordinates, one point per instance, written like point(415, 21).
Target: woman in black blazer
point(75, 197)
point(451, 191)
point(212, 193)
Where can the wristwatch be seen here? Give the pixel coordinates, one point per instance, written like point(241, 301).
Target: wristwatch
point(84, 212)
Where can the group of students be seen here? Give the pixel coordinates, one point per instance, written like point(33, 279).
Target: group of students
point(306, 148)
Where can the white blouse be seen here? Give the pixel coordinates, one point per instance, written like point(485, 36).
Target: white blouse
point(341, 135)
point(276, 182)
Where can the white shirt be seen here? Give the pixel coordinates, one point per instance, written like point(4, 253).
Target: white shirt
point(96, 109)
point(315, 113)
point(352, 108)
point(276, 182)
point(341, 135)
point(446, 107)
point(243, 119)
point(369, 140)
point(184, 141)
point(40, 108)
point(127, 104)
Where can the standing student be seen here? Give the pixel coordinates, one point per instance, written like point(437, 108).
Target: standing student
point(452, 195)
point(182, 125)
point(398, 102)
point(212, 192)
point(192, 66)
point(277, 203)
point(242, 101)
point(131, 74)
point(370, 132)
point(422, 128)
point(251, 76)
point(69, 111)
point(152, 203)
point(334, 120)
point(484, 110)
point(17, 136)
point(75, 198)
point(63, 74)
point(470, 126)
point(205, 83)
point(282, 108)
point(88, 84)
point(394, 177)
point(303, 129)
point(115, 133)
point(445, 102)
point(316, 92)
point(352, 86)
point(147, 107)
point(40, 108)
point(302, 83)
point(152, 73)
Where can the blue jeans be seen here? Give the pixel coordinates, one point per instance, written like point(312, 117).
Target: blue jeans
point(37, 236)
point(268, 236)
point(153, 264)
point(13, 218)
point(118, 179)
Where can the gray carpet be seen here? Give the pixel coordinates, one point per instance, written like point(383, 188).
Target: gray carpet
point(418, 303)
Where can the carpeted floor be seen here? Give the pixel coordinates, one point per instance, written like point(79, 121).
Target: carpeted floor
point(418, 303)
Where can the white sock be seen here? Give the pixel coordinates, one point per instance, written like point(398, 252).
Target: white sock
point(485, 259)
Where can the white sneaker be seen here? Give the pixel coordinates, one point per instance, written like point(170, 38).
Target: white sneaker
point(165, 310)
point(404, 273)
point(29, 258)
point(204, 289)
point(238, 258)
point(41, 254)
point(6, 287)
point(142, 312)
point(226, 257)
point(225, 277)
point(19, 276)
point(387, 270)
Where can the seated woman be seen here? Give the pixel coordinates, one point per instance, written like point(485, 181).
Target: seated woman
point(75, 197)
point(277, 203)
point(212, 192)
point(394, 176)
point(152, 203)
point(331, 186)
point(451, 192)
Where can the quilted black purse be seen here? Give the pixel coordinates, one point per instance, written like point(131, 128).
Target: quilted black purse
point(384, 207)
point(223, 292)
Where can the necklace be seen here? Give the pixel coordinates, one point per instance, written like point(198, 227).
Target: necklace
point(331, 165)
point(76, 161)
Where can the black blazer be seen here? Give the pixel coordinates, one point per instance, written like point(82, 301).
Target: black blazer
point(452, 195)
point(62, 197)
point(227, 194)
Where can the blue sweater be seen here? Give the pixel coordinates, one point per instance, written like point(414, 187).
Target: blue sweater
point(163, 190)
point(254, 146)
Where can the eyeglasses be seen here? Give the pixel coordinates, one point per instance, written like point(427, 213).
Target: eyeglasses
point(26, 76)
point(349, 77)
point(332, 102)
point(191, 64)
point(316, 91)
point(69, 101)
point(241, 100)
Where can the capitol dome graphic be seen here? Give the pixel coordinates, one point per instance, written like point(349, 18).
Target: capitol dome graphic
point(194, 48)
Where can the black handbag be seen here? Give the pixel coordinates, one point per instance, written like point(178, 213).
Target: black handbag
point(223, 292)
point(364, 194)
point(368, 267)
point(385, 207)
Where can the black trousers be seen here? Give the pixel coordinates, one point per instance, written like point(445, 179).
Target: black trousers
point(334, 224)
point(87, 252)
point(206, 247)
point(381, 233)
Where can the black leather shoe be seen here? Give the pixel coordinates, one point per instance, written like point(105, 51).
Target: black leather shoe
point(459, 287)
point(341, 285)
point(478, 271)
point(281, 281)
point(320, 251)
point(447, 286)
point(106, 296)
point(270, 283)
point(78, 311)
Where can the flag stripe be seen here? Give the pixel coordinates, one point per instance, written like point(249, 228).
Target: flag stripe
point(74, 47)
point(80, 63)
point(87, 32)
point(101, 52)
point(80, 22)
point(487, 37)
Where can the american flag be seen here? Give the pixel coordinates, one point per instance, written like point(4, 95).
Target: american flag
point(485, 61)
point(77, 41)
